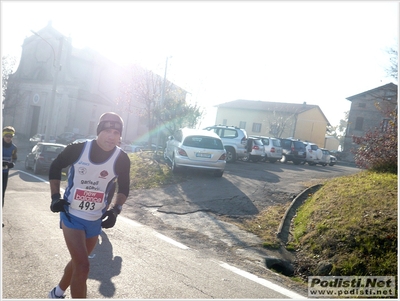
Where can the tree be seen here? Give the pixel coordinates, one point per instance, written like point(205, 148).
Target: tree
point(141, 94)
point(176, 114)
point(392, 70)
point(7, 67)
point(339, 131)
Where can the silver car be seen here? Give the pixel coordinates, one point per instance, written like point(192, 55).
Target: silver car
point(255, 150)
point(193, 148)
point(272, 148)
point(234, 140)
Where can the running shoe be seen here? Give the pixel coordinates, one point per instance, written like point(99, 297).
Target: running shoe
point(52, 295)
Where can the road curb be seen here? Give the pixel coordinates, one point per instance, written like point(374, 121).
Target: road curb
point(284, 227)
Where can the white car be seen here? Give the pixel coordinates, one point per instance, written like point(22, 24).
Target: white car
point(326, 157)
point(191, 148)
point(313, 153)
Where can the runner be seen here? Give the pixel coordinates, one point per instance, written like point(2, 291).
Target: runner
point(84, 209)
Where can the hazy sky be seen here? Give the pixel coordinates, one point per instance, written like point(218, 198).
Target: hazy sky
point(319, 52)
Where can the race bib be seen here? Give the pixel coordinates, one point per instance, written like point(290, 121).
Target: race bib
point(87, 200)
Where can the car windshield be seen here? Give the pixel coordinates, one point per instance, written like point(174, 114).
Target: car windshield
point(203, 142)
point(276, 142)
point(299, 145)
point(313, 147)
point(258, 142)
point(286, 143)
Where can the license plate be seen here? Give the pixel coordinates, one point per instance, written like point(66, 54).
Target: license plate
point(301, 153)
point(203, 155)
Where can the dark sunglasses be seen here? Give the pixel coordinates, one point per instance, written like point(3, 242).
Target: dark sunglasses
point(8, 136)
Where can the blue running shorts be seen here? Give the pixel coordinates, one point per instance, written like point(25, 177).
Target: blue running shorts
point(91, 228)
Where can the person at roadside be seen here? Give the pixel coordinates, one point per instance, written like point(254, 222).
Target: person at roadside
point(9, 156)
point(85, 207)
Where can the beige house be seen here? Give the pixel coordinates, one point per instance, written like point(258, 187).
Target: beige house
point(275, 119)
point(367, 112)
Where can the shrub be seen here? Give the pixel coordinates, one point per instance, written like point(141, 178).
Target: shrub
point(378, 148)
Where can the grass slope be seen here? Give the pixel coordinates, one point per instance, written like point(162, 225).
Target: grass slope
point(350, 225)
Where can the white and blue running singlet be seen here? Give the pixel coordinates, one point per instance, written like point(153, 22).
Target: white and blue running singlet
point(88, 183)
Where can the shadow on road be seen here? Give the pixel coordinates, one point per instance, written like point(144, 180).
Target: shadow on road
point(103, 266)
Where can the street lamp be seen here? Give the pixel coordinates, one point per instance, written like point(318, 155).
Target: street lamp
point(162, 100)
point(57, 66)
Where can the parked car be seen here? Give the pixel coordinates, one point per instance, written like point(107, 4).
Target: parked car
point(293, 150)
point(234, 140)
point(42, 155)
point(39, 138)
point(35, 139)
point(80, 140)
point(272, 148)
point(314, 153)
point(196, 149)
point(333, 160)
point(337, 154)
point(68, 137)
point(255, 150)
point(325, 158)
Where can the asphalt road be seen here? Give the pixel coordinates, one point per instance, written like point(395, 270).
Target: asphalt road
point(131, 261)
point(190, 213)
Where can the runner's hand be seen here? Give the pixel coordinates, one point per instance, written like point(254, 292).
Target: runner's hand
point(57, 204)
point(111, 216)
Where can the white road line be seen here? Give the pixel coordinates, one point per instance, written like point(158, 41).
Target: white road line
point(171, 241)
point(130, 221)
point(40, 179)
point(263, 282)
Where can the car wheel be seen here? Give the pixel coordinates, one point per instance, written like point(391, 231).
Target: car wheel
point(296, 162)
point(284, 159)
point(324, 164)
point(246, 158)
point(331, 164)
point(36, 168)
point(27, 164)
point(311, 163)
point(272, 160)
point(174, 167)
point(230, 155)
point(218, 174)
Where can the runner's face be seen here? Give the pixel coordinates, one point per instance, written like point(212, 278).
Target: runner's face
point(7, 138)
point(108, 139)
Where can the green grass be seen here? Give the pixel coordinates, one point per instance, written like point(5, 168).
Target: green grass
point(149, 170)
point(352, 223)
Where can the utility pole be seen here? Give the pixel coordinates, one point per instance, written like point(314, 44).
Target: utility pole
point(162, 102)
point(50, 123)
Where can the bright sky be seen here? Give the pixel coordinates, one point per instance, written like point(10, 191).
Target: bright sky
point(287, 51)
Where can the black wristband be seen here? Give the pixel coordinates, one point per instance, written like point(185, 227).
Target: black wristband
point(56, 196)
